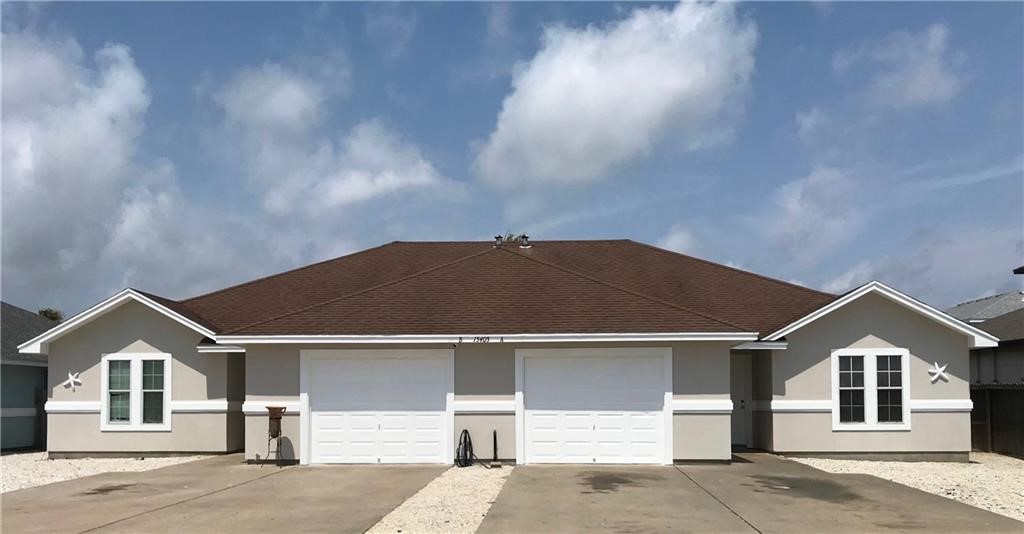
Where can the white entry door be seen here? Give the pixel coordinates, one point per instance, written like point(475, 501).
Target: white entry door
point(383, 408)
point(595, 407)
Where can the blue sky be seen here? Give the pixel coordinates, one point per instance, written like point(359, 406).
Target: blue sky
point(182, 147)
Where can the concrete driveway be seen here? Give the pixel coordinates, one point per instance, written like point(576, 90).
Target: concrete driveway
point(756, 493)
point(219, 494)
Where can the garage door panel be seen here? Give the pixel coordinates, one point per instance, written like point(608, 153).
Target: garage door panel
point(600, 409)
point(378, 409)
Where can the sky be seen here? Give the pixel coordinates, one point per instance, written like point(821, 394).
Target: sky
point(179, 148)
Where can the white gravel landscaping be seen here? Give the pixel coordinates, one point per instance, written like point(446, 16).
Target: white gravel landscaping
point(29, 469)
point(990, 481)
point(455, 502)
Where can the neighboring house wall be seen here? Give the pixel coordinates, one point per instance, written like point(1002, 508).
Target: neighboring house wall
point(803, 373)
point(20, 419)
point(74, 418)
point(485, 394)
point(997, 388)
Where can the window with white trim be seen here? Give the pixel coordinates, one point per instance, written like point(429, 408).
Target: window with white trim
point(870, 389)
point(136, 392)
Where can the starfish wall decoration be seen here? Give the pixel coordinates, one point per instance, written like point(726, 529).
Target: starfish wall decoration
point(938, 371)
point(73, 381)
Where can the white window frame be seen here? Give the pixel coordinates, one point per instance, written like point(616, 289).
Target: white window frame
point(135, 423)
point(871, 390)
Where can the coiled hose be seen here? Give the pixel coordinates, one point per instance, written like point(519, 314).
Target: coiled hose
point(464, 452)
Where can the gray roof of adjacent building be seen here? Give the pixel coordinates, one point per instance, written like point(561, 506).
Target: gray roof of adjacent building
point(987, 308)
point(18, 325)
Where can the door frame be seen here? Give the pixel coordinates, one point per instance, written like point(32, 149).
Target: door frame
point(747, 411)
point(627, 352)
point(308, 356)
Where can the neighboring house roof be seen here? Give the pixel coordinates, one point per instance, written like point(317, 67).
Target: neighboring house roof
point(1019, 270)
point(1007, 327)
point(20, 325)
point(987, 308)
point(976, 336)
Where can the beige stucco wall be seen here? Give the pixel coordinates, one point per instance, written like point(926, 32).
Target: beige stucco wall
point(701, 436)
point(190, 432)
point(700, 370)
point(481, 428)
point(256, 437)
point(803, 372)
point(930, 432)
point(133, 327)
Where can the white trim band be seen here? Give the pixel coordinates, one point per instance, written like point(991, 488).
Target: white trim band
point(710, 406)
point(215, 349)
point(916, 405)
point(72, 406)
point(762, 345)
point(17, 412)
point(259, 407)
point(485, 406)
point(801, 406)
point(941, 405)
point(205, 406)
point(449, 339)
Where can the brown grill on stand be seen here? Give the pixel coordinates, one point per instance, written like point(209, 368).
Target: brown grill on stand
point(274, 414)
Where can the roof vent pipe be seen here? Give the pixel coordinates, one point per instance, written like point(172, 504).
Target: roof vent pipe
point(524, 241)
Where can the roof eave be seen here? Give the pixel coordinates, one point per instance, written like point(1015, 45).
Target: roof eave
point(488, 338)
point(977, 338)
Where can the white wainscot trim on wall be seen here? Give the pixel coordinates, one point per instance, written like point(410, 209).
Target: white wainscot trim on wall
point(802, 406)
point(941, 405)
point(72, 406)
point(708, 406)
point(485, 406)
point(205, 406)
point(17, 412)
point(259, 407)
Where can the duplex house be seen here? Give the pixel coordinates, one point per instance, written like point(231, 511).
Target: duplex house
point(571, 351)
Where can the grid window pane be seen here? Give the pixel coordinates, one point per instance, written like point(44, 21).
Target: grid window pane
point(153, 407)
point(119, 403)
point(890, 390)
point(851, 389)
point(152, 374)
point(119, 375)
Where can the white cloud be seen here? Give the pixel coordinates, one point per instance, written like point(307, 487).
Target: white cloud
point(943, 266)
point(498, 19)
point(677, 239)
point(913, 69)
point(812, 216)
point(597, 97)
point(83, 212)
point(272, 97)
point(271, 118)
point(390, 27)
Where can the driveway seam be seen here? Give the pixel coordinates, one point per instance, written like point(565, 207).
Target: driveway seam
point(190, 499)
point(720, 501)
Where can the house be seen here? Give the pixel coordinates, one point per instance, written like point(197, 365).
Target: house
point(997, 373)
point(606, 351)
point(23, 377)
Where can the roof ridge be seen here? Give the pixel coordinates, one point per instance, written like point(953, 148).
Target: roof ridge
point(736, 269)
point(282, 273)
point(979, 299)
point(624, 290)
point(361, 291)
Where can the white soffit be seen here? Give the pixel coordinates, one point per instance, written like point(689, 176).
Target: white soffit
point(977, 338)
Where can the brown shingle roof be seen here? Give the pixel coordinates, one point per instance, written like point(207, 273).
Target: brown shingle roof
point(615, 286)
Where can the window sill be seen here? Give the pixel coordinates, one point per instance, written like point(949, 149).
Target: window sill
point(135, 428)
point(901, 427)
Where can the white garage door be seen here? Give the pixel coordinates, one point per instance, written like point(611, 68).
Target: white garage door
point(378, 409)
point(595, 409)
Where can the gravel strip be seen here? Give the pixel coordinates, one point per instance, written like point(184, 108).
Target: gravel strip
point(30, 469)
point(990, 481)
point(455, 502)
